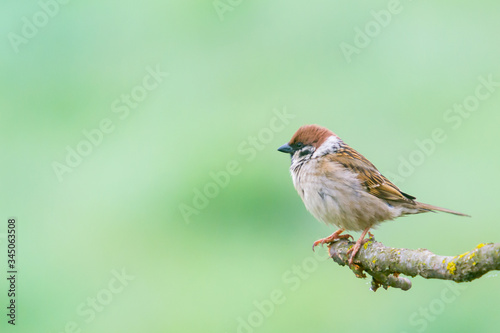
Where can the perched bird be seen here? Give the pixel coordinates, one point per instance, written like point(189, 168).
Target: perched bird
point(340, 186)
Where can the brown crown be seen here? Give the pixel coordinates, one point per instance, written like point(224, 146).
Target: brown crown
point(311, 135)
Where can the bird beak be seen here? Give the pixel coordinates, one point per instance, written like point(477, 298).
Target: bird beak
point(286, 149)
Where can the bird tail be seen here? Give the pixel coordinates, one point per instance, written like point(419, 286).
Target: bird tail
point(439, 209)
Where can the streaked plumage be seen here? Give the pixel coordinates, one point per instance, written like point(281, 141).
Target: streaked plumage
point(340, 186)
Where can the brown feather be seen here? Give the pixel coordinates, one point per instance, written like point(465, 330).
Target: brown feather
point(372, 180)
point(313, 135)
point(376, 184)
point(439, 209)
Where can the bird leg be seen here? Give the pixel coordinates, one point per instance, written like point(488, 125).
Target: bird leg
point(358, 244)
point(333, 237)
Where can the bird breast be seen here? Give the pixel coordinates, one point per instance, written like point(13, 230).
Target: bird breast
point(334, 195)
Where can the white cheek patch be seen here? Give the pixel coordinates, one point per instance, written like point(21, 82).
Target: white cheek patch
point(308, 150)
point(331, 145)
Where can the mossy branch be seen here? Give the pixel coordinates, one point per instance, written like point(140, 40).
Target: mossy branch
point(385, 264)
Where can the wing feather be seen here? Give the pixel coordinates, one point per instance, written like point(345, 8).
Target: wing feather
point(371, 179)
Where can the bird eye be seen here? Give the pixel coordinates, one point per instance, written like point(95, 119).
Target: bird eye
point(299, 145)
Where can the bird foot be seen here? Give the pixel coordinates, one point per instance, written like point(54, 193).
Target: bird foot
point(333, 237)
point(360, 242)
point(354, 250)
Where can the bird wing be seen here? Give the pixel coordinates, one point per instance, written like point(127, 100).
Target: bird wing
point(371, 179)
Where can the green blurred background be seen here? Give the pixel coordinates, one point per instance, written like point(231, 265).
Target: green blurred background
point(241, 261)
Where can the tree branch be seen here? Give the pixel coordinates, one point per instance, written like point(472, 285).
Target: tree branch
point(385, 264)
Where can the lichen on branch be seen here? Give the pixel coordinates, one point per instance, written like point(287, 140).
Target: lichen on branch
point(385, 264)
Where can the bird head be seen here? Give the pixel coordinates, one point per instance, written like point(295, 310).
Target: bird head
point(310, 140)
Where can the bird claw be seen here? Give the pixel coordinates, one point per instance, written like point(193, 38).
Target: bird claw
point(332, 238)
point(354, 250)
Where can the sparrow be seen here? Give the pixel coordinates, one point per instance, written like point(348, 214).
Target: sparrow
point(340, 186)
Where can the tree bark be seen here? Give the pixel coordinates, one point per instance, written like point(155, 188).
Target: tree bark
point(385, 264)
